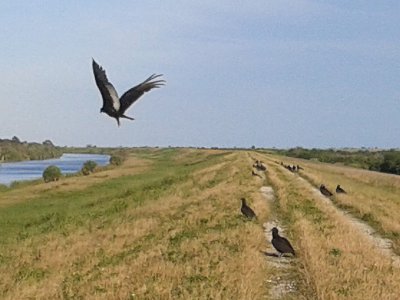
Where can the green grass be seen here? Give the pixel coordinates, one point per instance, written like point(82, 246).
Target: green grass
point(63, 212)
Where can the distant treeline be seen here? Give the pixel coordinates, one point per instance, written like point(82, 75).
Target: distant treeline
point(15, 150)
point(387, 161)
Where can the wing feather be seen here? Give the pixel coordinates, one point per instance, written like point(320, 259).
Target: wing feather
point(107, 90)
point(133, 94)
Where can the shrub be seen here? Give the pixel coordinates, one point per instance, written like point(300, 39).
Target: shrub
point(118, 157)
point(391, 162)
point(51, 173)
point(116, 160)
point(88, 167)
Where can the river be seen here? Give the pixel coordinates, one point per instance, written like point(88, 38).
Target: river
point(33, 169)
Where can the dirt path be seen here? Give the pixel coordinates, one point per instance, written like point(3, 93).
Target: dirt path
point(281, 284)
point(384, 245)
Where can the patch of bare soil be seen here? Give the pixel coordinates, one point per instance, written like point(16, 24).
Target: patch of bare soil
point(268, 193)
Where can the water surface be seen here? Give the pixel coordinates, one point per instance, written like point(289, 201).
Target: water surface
point(33, 169)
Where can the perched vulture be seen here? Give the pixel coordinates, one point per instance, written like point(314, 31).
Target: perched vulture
point(281, 244)
point(325, 191)
point(247, 211)
point(340, 190)
point(114, 106)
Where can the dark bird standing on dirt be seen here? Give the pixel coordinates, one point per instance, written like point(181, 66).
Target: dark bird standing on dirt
point(325, 191)
point(114, 106)
point(340, 190)
point(247, 211)
point(281, 244)
point(255, 174)
point(259, 165)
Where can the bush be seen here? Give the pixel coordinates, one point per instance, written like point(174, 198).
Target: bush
point(118, 157)
point(51, 173)
point(88, 167)
point(391, 162)
point(116, 160)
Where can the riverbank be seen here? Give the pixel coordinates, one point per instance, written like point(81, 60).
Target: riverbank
point(68, 163)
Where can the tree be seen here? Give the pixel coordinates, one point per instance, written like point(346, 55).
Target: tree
point(51, 173)
point(48, 143)
point(88, 167)
point(391, 162)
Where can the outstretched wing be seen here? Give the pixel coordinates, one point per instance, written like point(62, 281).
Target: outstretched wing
point(134, 93)
point(107, 90)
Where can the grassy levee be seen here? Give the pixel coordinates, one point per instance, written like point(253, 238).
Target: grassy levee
point(169, 229)
point(371, 196)
point(25, 190)
point(340, 262)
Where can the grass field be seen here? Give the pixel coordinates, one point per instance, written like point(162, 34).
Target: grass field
point(167, 225)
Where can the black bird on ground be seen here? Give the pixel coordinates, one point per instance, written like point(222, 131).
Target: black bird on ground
point(281, 244)
point(340, 190)
point(262, 168)
point(114, 106)
point(255, 174)
point(325, 191)
point(247, 211)
point(259, 165)
point(256, 164)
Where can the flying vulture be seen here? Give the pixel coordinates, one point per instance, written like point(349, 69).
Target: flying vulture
point(114, 106)
point(281, 244)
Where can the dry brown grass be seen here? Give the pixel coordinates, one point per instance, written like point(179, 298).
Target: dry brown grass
point(170, 227)
point(373, 197)
point(340, 261)
point(191, 243)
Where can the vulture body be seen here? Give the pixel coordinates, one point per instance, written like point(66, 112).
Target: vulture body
point(339, 190)
point(247, 211)
point(325, 191)
point(114, 106)
point(281, 244)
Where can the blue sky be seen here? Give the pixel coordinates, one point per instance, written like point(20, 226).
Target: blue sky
point(265, 73)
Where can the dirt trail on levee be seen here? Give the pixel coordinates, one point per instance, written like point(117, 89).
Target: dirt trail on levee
point(282, 284)
point(284, 279)
point(384, 245)
point(342, 257)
